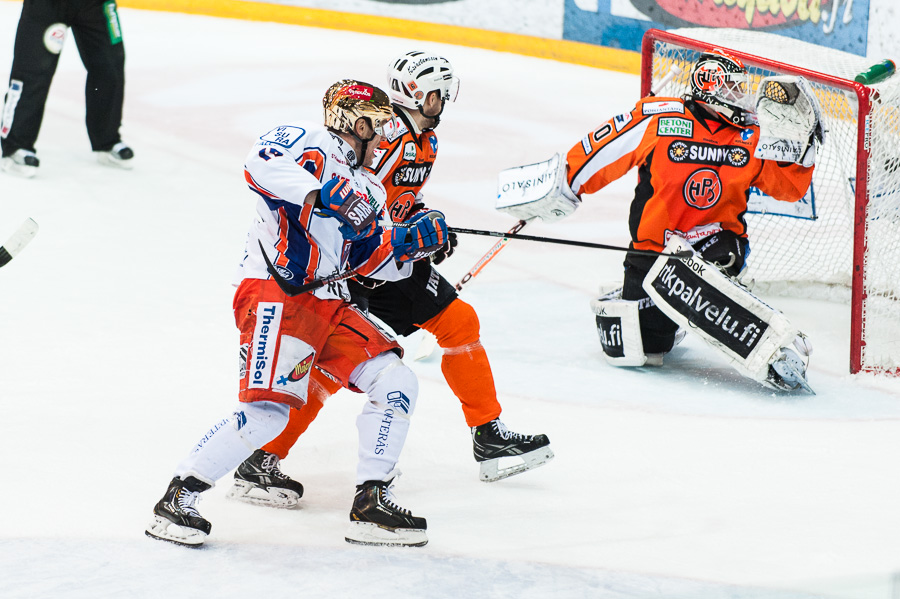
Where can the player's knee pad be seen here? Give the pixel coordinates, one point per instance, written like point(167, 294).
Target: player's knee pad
point(389, 384)
point(697, 296)
point(619, 328)
point(259, 422)
point(456, 326)
point(231, 440)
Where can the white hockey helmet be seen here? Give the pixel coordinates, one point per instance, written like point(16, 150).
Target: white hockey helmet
point(412, 76)
point(348, 100)
point(721, 81)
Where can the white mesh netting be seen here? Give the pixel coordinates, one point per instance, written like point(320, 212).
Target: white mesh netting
point(808, 249)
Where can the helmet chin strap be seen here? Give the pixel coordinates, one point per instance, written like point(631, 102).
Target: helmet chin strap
point(436, 118)
point(363, 147)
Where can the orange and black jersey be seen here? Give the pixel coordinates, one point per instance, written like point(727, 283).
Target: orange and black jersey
point(404, 162)
point(694, 170)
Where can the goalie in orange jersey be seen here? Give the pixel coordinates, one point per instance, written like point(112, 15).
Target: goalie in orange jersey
point(697, 158)
point(420, 85)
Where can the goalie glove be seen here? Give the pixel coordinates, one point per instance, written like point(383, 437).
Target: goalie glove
point(790, 120)
point(426, 235)
point(537, 191)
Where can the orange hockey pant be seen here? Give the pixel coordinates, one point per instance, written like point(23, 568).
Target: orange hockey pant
point(464, 364)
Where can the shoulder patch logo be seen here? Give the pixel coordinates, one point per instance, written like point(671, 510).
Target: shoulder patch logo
point(675, 127)
point(662, 106)
point(621, 120)
point(284, 136)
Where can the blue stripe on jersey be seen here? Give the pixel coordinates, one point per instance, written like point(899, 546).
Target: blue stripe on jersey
point(299, 248)
point(362, 250)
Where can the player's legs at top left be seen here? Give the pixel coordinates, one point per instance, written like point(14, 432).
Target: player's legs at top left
point(98, 35)
point(39, 40)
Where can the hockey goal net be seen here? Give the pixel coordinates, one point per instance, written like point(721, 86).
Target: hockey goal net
point(842, 241)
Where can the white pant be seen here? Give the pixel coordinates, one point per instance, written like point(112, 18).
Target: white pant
point(231, 441)
point(392, 389)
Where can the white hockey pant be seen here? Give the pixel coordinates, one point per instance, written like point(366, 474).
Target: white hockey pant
point(231, 440)
point(384, 422)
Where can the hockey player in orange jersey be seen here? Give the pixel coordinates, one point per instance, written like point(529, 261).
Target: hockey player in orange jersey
point(697, 157)
point(420, 85)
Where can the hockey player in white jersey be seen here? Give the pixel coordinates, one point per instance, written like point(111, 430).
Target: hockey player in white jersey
point(316, 216)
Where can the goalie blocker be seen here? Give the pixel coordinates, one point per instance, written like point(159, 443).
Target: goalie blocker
point(537, 190)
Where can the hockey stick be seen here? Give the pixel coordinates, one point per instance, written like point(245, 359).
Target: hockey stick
point(292, 290)
point(585, 244)
point(429, 341)
point(25, 233)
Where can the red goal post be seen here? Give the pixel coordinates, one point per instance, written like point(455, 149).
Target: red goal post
point(842, 241)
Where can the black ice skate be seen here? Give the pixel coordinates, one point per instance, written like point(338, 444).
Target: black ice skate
point(120, 155)
point(175, 517)
point(376, 520)
point(259, 480)
point(493, 441)
point(23, 163)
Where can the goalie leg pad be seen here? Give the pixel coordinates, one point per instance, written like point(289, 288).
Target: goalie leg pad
point(618, 326)
point(695, 295)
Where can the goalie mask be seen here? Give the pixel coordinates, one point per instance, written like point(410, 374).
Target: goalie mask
point(347, 101)
point(721, 81)
point(414, 75)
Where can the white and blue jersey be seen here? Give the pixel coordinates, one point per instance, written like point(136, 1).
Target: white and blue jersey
point(283, 168)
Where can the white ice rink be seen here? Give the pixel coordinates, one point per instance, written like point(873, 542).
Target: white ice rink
point(119, 351)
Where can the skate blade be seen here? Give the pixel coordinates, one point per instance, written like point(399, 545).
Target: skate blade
point(19, 170)
point(799, 377)
point(369, 533)
point(106, 159)
point(491, 472)
point(162, 529)
point(247, 493)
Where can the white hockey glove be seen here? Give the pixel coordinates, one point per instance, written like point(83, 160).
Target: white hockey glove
point(537, 191)
point(790, 120)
